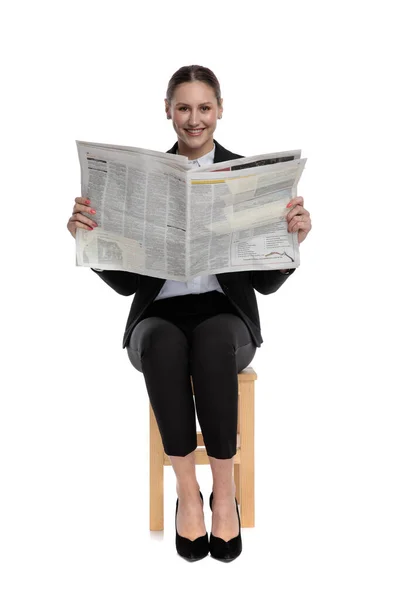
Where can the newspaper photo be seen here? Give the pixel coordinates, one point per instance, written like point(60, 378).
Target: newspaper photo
point(158, 216)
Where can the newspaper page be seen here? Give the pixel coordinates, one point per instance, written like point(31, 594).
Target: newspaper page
point(237, 218)
point(157, 216)
point(140, 200)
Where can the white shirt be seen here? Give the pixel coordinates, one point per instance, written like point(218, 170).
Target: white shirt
point(203, 283)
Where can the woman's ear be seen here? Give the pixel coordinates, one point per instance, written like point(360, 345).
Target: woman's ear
point(167, 109)
point(221, 109)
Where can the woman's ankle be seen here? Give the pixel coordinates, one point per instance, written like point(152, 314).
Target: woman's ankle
point(189, 490)
point(224, 492)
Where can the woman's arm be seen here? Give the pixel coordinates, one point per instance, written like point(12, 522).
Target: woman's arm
point(268, 282)
point(122, 282)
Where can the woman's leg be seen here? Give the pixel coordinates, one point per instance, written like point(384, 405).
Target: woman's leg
point(190, 518)
point(222, 347)
point(160, 351)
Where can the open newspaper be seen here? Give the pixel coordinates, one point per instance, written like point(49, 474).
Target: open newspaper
point(159, 216)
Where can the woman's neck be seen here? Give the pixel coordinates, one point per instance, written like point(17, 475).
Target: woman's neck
point(193, 153)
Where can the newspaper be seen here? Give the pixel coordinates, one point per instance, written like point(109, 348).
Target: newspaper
point(159, 216)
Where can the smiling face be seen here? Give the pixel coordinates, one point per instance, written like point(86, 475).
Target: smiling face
point(194, 111)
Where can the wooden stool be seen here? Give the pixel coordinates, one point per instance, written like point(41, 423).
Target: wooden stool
point(243, 460)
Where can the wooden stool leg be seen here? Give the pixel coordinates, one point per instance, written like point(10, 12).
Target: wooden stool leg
point(246, 399)
point(236, 469)
point(156, 456)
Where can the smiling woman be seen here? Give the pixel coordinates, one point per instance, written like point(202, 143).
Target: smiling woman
point(207, 328)
point(194, 104)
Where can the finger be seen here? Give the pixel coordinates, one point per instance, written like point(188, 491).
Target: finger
point(80, 218)
point(81, 204)
point(296, 227)
point(295, 201)
point(82, 200)
point(79, 209)
point(294, 221)
point(303, 226)
point(84, 226)
point(295, 205)
point(297, 210)
point(72, 227)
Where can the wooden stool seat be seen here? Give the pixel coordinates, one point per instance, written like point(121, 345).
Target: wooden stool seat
point(243, 459)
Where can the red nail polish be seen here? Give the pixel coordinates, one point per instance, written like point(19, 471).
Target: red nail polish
point(287, 205)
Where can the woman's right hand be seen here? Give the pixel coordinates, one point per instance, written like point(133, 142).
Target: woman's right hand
point(78, 218)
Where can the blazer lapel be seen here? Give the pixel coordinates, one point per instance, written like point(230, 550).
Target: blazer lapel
point(221, 153)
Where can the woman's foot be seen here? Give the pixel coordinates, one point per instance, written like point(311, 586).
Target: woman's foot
point(225, 523)
point(190, 518)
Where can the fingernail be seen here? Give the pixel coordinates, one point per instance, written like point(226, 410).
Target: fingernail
point(87, 201)
point(287, 205)
point(92, 211)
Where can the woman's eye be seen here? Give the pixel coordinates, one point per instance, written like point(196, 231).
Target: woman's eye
point(206, 108)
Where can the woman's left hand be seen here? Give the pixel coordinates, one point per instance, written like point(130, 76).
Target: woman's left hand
point(298, 218)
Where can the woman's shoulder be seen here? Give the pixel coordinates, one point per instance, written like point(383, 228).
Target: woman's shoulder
point(222, 154)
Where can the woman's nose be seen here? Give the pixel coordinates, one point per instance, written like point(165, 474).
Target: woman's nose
point(193, 119)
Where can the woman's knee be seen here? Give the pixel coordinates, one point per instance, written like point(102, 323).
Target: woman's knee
point(220, 339)
point(156, 335)
point(225, 331)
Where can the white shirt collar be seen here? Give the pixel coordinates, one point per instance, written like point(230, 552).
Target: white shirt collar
point(206, 159)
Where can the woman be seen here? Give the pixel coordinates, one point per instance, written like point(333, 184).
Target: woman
point(208, 327)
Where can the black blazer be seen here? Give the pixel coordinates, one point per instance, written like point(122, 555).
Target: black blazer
point(238, 286)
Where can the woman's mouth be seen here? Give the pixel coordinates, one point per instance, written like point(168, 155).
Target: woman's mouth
point(195, 132)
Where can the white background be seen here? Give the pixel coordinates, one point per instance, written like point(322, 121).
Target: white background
point(319, 76)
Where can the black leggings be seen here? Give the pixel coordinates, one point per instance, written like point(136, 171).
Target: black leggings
point(213, 349)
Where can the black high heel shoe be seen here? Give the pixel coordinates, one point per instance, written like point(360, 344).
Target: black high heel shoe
point(188, 549)
point(222, 550)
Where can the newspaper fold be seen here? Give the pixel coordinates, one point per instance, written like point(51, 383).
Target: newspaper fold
point(158, 216)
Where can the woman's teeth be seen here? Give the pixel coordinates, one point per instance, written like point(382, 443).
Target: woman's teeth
point(194, 131)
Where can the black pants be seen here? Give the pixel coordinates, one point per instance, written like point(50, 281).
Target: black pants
point(198, 335)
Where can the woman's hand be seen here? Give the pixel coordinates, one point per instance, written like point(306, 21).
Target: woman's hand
point(78, 219)
point(298, 218)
